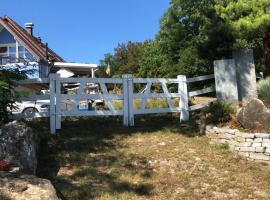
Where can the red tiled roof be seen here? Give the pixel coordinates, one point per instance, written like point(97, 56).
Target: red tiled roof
point(31, 43)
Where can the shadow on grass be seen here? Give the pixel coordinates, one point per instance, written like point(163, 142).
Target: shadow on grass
point(3, 197)
point(91, 146)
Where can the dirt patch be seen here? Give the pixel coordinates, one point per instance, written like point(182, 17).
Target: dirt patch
point(97, 158)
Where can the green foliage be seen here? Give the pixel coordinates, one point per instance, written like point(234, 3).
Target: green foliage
point(8, 94)
point(219, 112)
point(263, 89)
point(195, 33)
point(125, 59)
point(250, 24)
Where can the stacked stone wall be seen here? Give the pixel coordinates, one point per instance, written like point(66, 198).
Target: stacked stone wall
point(255, 146)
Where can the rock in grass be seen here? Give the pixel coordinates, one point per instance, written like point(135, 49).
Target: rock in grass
point(18, 146)
point(254, 115)
point(26, 187)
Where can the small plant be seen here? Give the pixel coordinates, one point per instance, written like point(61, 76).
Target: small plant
point(219, 112)
point(263, 89)
point(225, 146)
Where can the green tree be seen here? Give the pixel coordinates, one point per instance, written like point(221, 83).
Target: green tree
point(126, 58)
point(250, 22)
point(153, 63)
point(8, 94)
point(193, 35)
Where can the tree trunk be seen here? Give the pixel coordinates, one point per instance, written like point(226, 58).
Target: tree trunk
point(266, 46)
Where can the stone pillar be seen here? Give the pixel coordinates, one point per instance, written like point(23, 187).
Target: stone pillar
point(245, 74)
point(225, 79)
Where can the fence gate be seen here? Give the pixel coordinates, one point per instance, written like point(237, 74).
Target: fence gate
point(127, 101)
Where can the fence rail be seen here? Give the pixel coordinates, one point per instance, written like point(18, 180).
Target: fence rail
point(63, 104)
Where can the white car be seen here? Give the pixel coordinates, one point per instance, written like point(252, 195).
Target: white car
point(32, 106)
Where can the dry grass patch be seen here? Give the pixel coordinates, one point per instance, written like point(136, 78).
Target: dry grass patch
point(97, 158)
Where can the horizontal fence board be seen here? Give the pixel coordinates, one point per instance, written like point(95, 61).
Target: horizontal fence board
point(33, 81)
point(202, 91)
point(35, 98)
point(91, 96)
point(91, 80)
point(155, 80)
point(91, 113)
point(200, 106)
point(200, 78)
point(157, 110)
point(155, 95)
point(29, 115)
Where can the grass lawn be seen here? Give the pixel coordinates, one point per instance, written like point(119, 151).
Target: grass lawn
point(98, 158)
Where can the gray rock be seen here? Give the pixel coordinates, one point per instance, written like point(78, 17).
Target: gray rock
point(254, 115)
point(26, 187)
point(256, 144)
point(259, 156)
point(259, 149)
point(247, 149)
point(18, 146)
point(262, 135)
point(266, 144)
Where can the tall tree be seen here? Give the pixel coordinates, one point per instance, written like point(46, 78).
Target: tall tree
point(193, 35)
point(250, 21)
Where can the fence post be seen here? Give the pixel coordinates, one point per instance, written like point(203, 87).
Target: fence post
point(130, 100)
point(58, 101)
point(125, 100)
point(183, 103)
point(52, 104)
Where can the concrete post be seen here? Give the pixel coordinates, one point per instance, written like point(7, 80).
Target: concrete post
point(245, 74)
point(225, 79)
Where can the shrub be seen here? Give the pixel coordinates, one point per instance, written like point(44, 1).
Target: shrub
point(263, 89)
point(219, 112)
point(8, 93)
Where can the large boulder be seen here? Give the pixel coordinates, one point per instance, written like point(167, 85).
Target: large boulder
point(18, 146)
point(254, 115)
point(25, 187)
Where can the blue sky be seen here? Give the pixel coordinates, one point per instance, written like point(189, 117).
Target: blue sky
point(84, 30)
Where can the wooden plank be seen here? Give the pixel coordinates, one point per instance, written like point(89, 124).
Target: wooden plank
point(125, 100)
point(166, 92)
point(91, 113)
point(200, 78)
point(202, 91)
point(158, 110)
point(183, 103)
point(91, 80)
point(155, 80)
point(92, 96)
point(52, 104)
point(109, 101)
point(155, 95)
point(144, 95)
point(58, 102)
point(130, 101)
point(200, 106)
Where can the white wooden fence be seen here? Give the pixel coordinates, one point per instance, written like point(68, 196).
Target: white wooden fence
point(127, 96)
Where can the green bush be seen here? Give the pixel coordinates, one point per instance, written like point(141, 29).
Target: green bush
point(8, 93)
point(263, 89)
point(219, 112)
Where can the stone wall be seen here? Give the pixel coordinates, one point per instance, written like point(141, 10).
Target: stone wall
point(252, 146)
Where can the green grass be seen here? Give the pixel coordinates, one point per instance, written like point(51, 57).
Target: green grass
point(98, 158)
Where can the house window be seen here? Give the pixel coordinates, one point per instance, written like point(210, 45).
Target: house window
point(3, 51)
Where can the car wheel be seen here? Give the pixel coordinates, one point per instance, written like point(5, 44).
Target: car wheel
point(30, 110)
